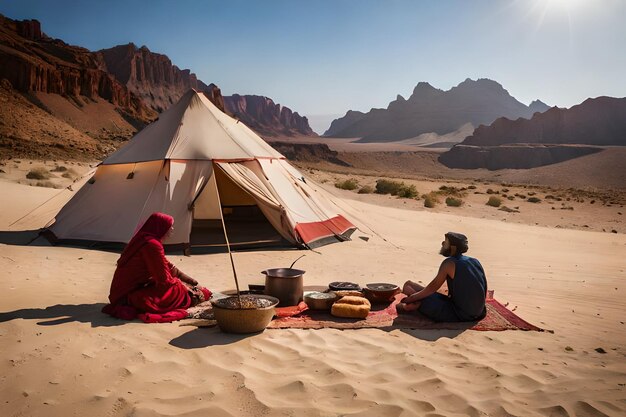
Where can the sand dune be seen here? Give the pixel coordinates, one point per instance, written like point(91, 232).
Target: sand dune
point(61, 356)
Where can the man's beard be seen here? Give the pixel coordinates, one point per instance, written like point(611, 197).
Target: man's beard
point(445, 251)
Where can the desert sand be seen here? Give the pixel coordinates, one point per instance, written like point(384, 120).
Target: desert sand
point(62, 356)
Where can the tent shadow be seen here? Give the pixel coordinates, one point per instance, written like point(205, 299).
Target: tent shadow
point(202, 337)
point(64, 313)
point(23, 238)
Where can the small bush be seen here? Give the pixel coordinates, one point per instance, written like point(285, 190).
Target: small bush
point(46, 184)
point(494, 201)
point(388, 187)
point(533, 200)
point(429, 202)
point(508, 210)
point(70, 173)
point(366, 189)
point(349, 184)
point(59, 168)
point(454, 202)
point(490, 191)
point(472, 187)
point(38, 174)
point(511, 197)
point(408, 191)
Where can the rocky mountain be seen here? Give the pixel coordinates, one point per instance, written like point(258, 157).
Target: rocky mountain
point(596, 121)
point(77, 96)
point(430, 109)
point(32, 62)
point(547, 138)
point(151, 76)
point(266, 117)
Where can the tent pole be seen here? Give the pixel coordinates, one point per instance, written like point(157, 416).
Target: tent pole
point(230, 254)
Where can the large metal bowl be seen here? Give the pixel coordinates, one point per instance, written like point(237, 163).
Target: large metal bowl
point(243, 320)
point(380, 292)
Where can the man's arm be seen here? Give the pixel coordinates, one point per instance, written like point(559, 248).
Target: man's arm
point(446, 268)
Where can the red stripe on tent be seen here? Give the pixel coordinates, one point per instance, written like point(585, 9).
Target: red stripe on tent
point(312, 231)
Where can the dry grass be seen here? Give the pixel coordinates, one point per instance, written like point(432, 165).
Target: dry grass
point(38, 173)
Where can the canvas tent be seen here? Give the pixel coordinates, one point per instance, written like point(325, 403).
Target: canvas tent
point(191, 163)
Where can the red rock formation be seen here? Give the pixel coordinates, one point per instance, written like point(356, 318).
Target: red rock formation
point(266, 117)
point(149, 75)
point(33, 62)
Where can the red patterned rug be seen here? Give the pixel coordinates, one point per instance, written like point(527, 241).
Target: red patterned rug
point(298, 317)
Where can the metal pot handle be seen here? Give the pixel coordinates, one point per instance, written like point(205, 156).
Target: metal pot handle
point(294, 262)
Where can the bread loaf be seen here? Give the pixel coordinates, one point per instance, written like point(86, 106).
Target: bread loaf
point(351, 307)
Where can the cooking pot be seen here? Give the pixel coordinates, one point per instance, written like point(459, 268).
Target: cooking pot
point(286, 284)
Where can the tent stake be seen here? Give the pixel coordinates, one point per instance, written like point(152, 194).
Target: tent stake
point(230, 254)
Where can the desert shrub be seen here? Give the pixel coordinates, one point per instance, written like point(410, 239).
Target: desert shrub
point(388, 187)
point(449, 190)
point(520, 195)
point(349, 184)
point(471, 187)
point(408, 191)
point(70, 173)
point(39, 173)
point(490, 191)
point(59, 168)
point(505, 190)
point(508, 209)
point(47, 184)
point(511, 197)
point(494, 201)
point(429, 201)
point(533, 200)
point(366, 189)
point(454, 202)
point(324, 181)
point(531, 193)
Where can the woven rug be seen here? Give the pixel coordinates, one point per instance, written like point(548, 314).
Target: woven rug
point(498, 318)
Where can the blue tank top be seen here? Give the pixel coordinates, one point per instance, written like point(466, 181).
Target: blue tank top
point(468, 288)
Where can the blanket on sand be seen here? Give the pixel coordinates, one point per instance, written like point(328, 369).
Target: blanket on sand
point(498, 318)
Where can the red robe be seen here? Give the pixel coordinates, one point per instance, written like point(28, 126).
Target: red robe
point(143, 285)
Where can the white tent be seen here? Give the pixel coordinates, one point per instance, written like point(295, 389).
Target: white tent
point(185, 164)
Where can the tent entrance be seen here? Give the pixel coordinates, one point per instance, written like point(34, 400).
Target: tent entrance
point(246, 224)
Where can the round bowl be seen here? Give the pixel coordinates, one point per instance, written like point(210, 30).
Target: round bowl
point(320, 300)
point(254, 316)
point(380, 292)
point(344, 286)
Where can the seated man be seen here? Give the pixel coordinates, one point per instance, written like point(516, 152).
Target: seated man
point(467, 286)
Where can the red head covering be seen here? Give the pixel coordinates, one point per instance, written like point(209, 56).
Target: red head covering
point(157, 225)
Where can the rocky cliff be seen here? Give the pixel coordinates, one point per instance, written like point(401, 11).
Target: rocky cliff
point(34, 62)
point(512, 156)
point(266, 117)
point(430, 109)
point(152, 76)
point(597, 121)
point(547, 138)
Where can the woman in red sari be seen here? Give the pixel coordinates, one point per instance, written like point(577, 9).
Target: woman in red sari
point(146, 284)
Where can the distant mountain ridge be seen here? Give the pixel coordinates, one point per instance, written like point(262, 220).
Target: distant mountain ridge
point(430, 109)
point(596, 121)
point(266, 117)
point(553, 136)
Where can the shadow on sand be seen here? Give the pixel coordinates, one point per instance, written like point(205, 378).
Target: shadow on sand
point(65, 313)
point(202, 337)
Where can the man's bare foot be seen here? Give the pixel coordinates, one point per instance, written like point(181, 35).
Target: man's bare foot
point(406, 308)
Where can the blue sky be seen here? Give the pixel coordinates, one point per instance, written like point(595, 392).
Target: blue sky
point(322, 58)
